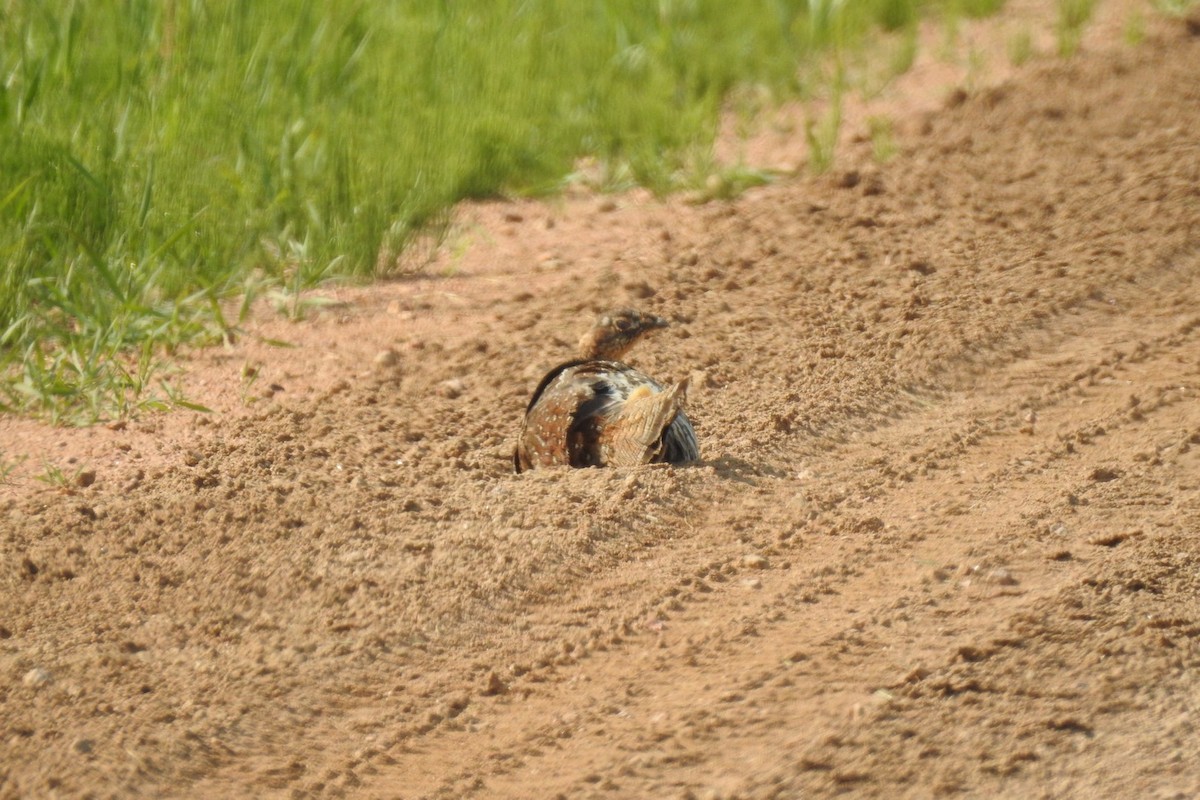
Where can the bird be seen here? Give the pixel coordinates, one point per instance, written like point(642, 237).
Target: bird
point(597, 411)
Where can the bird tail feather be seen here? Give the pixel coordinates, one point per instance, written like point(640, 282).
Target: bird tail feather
point(641, 422)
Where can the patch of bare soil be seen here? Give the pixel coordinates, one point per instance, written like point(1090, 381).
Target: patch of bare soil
point(945, 539)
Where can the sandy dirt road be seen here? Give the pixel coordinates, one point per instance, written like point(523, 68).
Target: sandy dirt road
point(945, 539)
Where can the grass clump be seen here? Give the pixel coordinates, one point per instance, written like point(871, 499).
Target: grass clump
point(8, 466)
point(160, 157)
point(1073, 15)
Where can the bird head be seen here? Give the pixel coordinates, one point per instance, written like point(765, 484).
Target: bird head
point(617, 331)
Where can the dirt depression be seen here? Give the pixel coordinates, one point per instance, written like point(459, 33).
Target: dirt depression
point(944, 540)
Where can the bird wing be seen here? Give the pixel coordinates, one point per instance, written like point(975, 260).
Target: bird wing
point(569, 406)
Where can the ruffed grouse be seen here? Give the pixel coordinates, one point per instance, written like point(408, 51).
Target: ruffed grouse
point(597, 411)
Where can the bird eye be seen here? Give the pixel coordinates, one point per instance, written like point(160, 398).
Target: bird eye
point(623, 323)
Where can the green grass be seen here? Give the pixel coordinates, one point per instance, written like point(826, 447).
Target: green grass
point(883, 142)
point(1020, 47)
point(1175, 8)
point(56, 476)
point(821, 130)
point(8, 466)
point(1134, 31)
point(160, 158)
point(1073, 16)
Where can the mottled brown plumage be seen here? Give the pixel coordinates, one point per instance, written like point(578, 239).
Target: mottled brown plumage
point(598, 411)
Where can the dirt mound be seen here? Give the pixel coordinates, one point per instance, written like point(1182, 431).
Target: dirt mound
point(942, 540)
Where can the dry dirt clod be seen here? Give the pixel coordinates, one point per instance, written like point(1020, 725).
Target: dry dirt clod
point(1001, 577)
point(386, 359)
point(493, 685)
point(452, 389)
point(755, 561)
point(640, 290)
point(700, 381)
point(1113, 539)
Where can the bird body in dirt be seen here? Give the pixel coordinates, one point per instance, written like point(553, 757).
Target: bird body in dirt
point(598, 411)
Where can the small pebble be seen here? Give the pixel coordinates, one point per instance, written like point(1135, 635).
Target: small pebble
point(37, 676)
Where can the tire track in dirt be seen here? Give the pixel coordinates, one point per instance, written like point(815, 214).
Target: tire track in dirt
point(595, 606)
point(930, 443)
point(833, 501)
point(983, 582)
